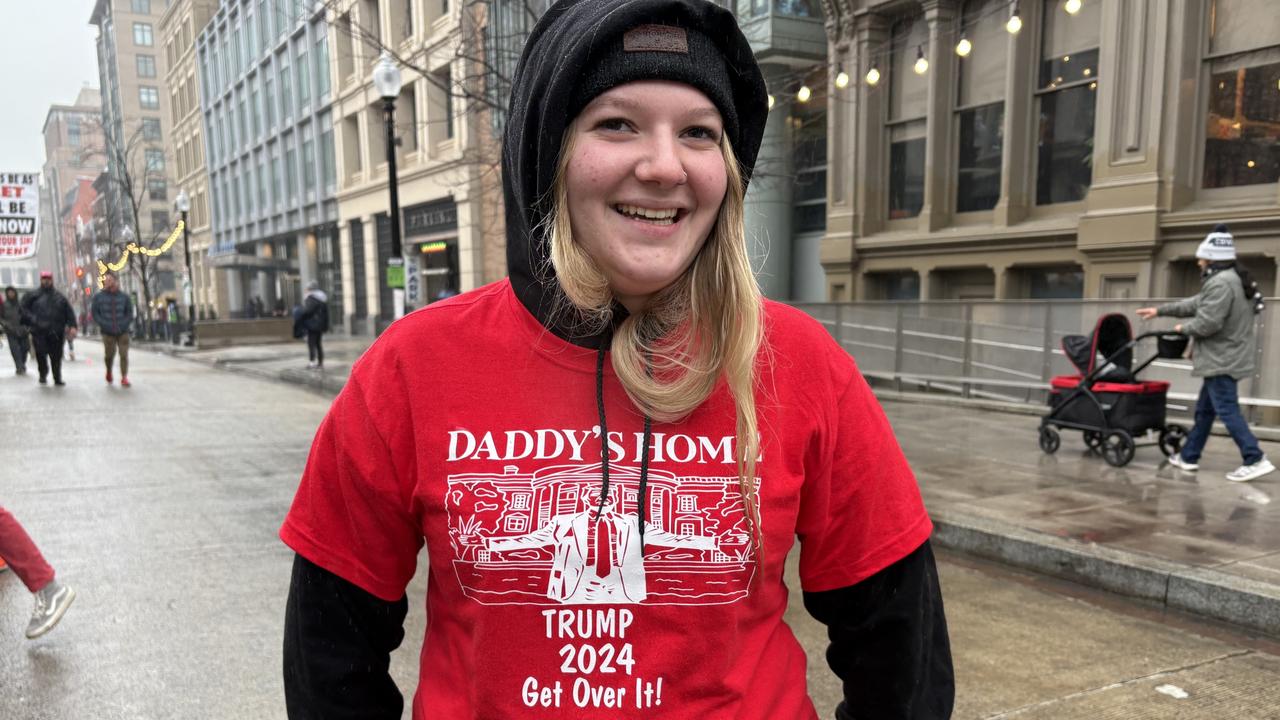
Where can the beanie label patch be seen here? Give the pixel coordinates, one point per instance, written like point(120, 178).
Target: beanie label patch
point(656, 38)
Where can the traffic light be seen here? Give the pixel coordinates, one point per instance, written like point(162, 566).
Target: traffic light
point(88, 291)
point(79, 272)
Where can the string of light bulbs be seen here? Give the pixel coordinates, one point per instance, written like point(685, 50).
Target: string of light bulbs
point(883, 52)
point(134, 248)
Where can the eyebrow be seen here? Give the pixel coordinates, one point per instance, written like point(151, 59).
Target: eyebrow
point(630, 105)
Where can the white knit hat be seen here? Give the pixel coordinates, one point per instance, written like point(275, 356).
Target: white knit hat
point(1217, 245)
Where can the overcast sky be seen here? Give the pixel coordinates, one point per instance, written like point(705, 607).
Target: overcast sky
point(47, 52)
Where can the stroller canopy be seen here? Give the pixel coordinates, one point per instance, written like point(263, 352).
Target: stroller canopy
point(1107, 349)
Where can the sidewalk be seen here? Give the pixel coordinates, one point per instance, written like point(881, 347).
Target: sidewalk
point(1188, 541)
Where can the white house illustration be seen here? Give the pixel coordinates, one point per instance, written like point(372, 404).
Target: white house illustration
point(532, 538)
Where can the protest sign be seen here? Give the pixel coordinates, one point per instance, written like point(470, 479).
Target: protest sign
point(19, 215)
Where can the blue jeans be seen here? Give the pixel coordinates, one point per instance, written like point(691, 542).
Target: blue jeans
point(1218, 397)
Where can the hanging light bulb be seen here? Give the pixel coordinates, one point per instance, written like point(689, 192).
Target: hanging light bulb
point(1015, 21)
point(964, 47)
point(804, 94)
point(873, 76)
point(842, 78)
point(922, 65)
point(770, 101)
point(1072, 7)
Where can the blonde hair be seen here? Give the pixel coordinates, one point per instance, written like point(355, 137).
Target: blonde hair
point(706, 325)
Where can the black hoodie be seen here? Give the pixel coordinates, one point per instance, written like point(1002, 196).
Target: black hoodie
point(889, 641)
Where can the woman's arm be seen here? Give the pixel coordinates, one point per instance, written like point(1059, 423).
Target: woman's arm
point(889, 642)
point(338, 640)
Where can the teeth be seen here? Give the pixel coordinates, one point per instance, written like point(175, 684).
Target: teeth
point(648, 214)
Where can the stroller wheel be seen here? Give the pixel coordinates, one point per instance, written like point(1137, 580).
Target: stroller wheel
point(1049, 440)
point(1118, 449)
point(1171, 439)
point(1093, 440)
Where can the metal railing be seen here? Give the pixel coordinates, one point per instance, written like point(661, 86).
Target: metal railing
point(1009, 349)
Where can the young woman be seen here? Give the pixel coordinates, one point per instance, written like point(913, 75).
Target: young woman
point(1222, 324)
point(609, 455)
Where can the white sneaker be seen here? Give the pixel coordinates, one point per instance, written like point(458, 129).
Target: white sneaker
point(52, 602)
point(1245, 473)
point(1177, 461)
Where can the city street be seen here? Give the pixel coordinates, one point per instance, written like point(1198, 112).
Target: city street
point(160, 505)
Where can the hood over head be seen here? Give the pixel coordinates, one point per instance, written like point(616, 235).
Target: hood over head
point(582, 48)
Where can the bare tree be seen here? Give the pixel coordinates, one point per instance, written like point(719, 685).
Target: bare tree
point(133, 162)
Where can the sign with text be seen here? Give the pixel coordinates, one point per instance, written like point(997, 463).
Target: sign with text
point(19, 215)
point(412, 280)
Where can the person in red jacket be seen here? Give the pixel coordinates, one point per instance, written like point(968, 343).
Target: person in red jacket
point(610, 455)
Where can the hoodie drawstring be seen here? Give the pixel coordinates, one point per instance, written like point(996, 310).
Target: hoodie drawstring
point(642, 501)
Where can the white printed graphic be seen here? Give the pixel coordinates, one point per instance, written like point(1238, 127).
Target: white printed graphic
point(534, 538)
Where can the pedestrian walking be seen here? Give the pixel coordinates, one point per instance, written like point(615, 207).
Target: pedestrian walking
point(21, 554)
point(15, 332)
point(113, 312)
point(49, 316)
point(313, 320)
point(1224, 350)
point(609, 455)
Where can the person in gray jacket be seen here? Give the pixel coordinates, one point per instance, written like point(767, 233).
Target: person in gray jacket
point(1222, 325)
point(16, 333)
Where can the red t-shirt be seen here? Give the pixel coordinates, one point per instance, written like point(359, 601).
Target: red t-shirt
point(469, 426)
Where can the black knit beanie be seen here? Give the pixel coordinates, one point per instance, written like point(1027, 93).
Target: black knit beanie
point(659, 52)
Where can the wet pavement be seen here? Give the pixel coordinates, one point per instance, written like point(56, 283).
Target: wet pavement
point(1190, 540)
point(160, 504)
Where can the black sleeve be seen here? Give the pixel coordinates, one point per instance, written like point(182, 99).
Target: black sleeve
point(889, 642)
point(338, 640)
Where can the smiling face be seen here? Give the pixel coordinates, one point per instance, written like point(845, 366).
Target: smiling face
point(644, 183)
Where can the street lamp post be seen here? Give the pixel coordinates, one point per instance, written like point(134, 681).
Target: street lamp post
point(183, 204)
point(386, 78)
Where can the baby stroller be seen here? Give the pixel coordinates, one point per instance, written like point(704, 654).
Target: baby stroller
point(1107, 401)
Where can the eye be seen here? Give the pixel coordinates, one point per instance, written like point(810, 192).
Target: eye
point(701, 132)
point(613, 125)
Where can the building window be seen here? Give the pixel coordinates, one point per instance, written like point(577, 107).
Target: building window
point(244, 122)
point(142, 34)
point(150, 128)
point(328, 172)
point(908, 105)
point(262, 183)
point(980, 103)
point(308, 158)
point(160, 222)
point(146, 66)
point(255, 110)
point(322, 61)
point(517, 523)
point(809, 134)
point(156, 188)
point(269, 98)
point(141, 7)
point(520, 501)
point(149, 98)
point(154, 160)
point(264, 29)
point(73, 131)
point(291, 166)
point(286, 89)
point(688, 504)
point(1067, 100)
point(1242, 132)
point(304, 77)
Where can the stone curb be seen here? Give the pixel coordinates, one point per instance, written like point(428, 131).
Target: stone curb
point(1247, 603)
